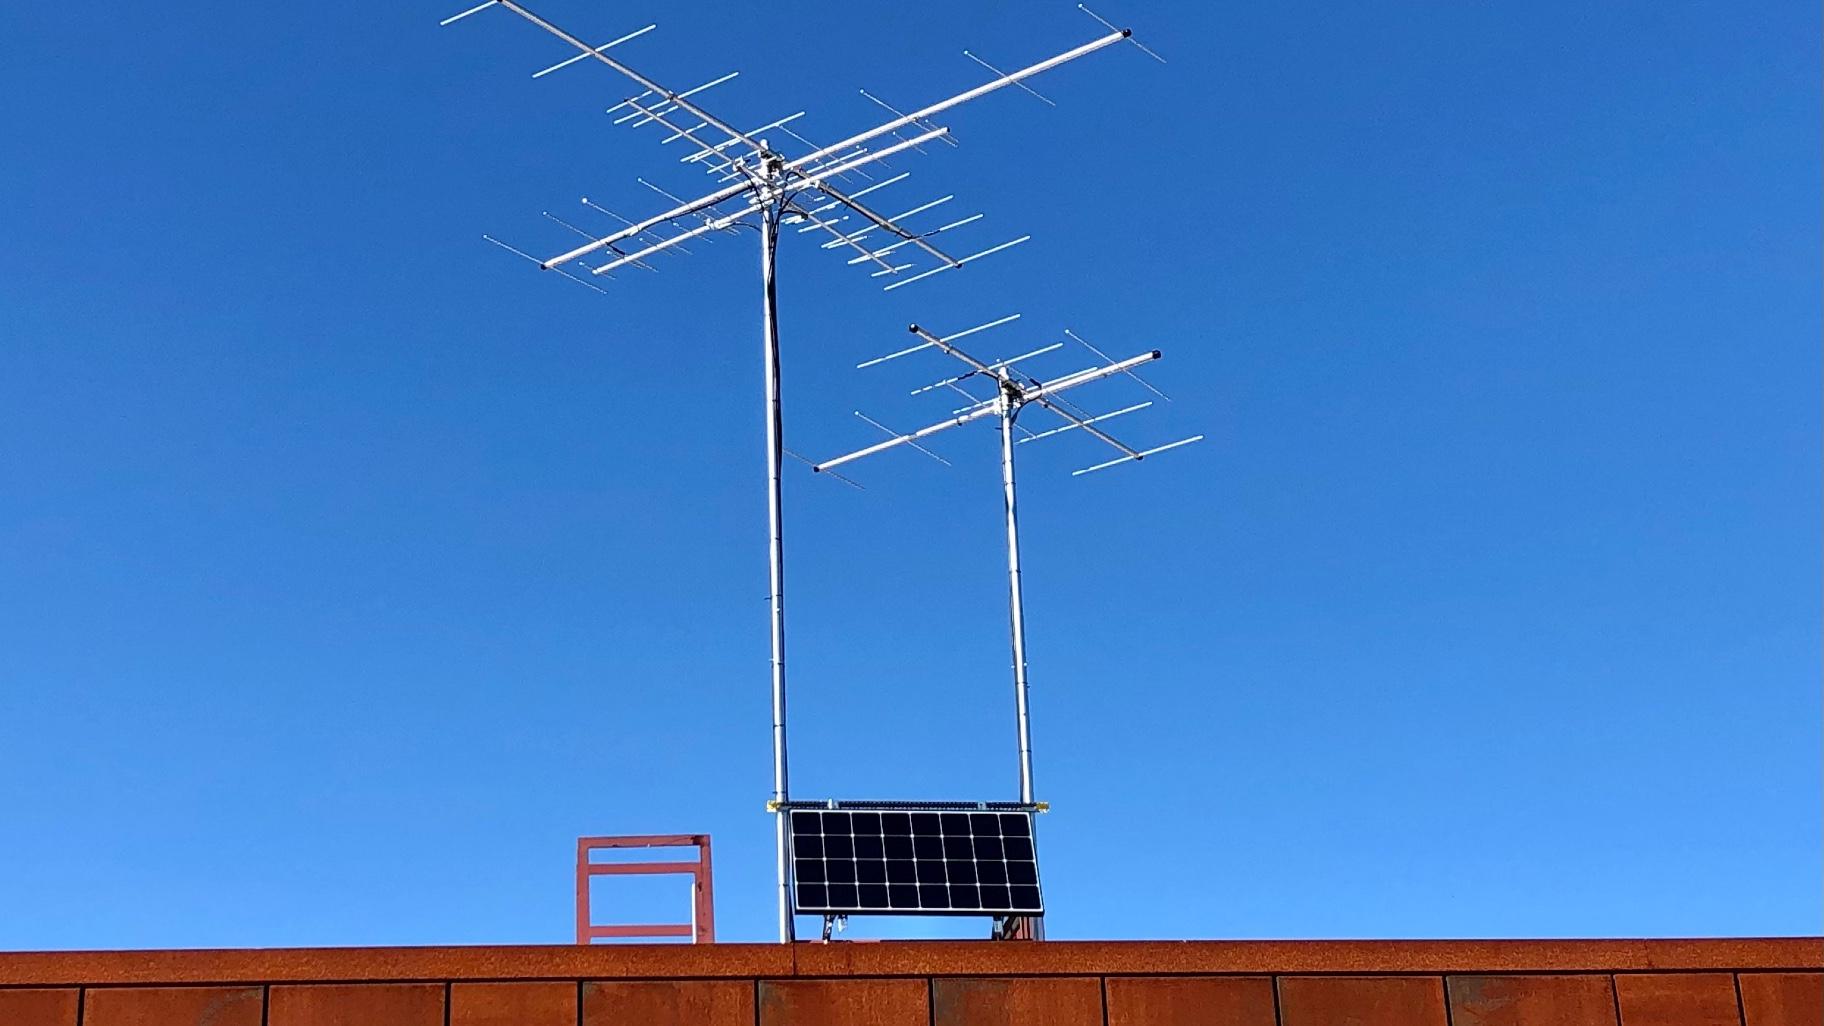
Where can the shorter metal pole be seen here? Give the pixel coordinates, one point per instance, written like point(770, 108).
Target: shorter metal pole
point(1016, 609)
point(1024, 927)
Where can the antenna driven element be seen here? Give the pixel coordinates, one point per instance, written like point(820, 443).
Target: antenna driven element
point(760, 186)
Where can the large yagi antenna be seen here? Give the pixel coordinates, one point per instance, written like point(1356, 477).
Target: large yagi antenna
point(755, 183)
point(753, 170)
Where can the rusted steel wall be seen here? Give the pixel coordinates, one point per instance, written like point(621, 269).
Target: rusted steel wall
point(1775, 982)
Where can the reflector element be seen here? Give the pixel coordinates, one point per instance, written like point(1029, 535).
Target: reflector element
point(898, 862)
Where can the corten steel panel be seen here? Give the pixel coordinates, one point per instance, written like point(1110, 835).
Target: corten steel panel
point(1007, 1001)
point(1191, 958)
point(356, 1004)
point(1782, 999)
point(669, 1003)
point(904, 958)
point(1190, 1001)
point(39, 1007)
point(511, 1004)
point(844, 1003)
point(349, 965)
point(1583, 1000)
point(1362, 1001)
point(1677, 999)
point(173, 1006)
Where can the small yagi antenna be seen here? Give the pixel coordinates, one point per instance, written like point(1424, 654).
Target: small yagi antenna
point(1015, 390)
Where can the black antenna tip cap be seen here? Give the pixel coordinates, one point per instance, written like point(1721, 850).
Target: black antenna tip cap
point(1127, 33)
point(913, 328)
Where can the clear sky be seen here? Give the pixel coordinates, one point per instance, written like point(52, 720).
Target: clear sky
point(352, 568)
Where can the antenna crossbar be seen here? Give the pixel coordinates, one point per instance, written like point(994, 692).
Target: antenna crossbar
point(988, 408)
point(908, 441)
point(815, 178)
point(1100, 355)
point(644, 82)
point(866, 253)
point(1137, 456)
point(668, 194)
point(1088, 427)
point(929, 341)
point(458, 16)
point(886, 223)
point(715, 224)
point(955, 264)
point(997, 365)
point(566, 62)
point(661, 118)
point(858, 193)
point(683, 210)
point(672, 105)
point(896, 112)
point(945, 345)
point(1072, 426)
point(1085, 377)
point(645, 233)
point(941, 229)
point(921, 208)
point(963, 97)
point(1028, 89)
point(719, 147)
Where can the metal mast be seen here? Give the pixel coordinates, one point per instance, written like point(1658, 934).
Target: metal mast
point(758, 181)
point(775, 551)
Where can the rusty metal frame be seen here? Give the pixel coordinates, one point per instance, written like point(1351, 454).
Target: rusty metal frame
point(702, 926)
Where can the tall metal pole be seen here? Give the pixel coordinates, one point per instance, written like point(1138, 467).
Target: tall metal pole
point(775, 451)
point(1016, 610)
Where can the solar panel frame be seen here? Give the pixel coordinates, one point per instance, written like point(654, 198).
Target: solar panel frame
point(923, 859)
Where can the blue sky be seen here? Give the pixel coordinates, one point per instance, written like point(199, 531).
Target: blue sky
point(353, 569)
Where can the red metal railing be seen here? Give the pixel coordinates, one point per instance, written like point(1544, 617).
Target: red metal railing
point(702, 926)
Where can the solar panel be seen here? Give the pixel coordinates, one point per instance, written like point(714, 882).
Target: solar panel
point(910, 861)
